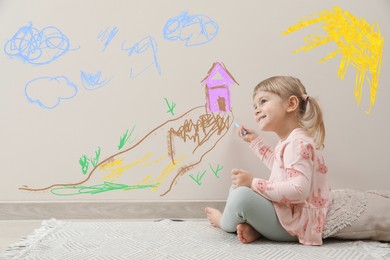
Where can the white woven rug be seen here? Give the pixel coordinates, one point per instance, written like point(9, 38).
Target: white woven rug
point(168, 239)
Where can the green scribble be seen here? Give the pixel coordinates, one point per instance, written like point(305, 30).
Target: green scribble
point(170, 106)
point(125, 137)
point(95, 160)
point(216, 171)
point(198, 178)
point(95, 189)
point(84, 162)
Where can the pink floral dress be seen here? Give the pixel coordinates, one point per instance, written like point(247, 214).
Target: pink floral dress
point(298, 185)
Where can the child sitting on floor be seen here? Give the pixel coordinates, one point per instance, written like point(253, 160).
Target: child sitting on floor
point(292, 205)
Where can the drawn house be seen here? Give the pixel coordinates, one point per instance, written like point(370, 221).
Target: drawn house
point(217, 87)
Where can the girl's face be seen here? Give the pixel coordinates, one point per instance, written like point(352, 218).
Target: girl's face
point(270, 111)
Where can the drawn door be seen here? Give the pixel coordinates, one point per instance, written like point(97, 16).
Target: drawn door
point(221, 103)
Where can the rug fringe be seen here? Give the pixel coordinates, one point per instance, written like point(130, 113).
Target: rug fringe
point(383, 193)
point(20, 248)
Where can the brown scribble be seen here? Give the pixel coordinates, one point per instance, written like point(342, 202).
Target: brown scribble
point(171, 149)
point(200, 131)
point(187, 168)
point(25, 187)
point(108, 161)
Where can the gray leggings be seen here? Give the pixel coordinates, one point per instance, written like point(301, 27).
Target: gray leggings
point(247, 206)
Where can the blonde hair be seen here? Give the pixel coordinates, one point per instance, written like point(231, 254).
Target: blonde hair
point(310, 114)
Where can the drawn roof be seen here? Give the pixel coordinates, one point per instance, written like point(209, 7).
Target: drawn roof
point(218, 69)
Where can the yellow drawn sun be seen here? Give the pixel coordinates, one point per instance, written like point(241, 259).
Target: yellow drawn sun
point(359, 43)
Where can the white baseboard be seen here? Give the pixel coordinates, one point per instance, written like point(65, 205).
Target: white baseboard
point(106, 210)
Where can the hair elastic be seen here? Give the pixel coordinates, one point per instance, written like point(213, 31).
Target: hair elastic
point(305, 97)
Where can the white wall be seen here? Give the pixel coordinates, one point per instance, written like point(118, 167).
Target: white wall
point(41, 146)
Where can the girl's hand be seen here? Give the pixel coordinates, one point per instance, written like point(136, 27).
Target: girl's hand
point(241, 178)
point(249, 136)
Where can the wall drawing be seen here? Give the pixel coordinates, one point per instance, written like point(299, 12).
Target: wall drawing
point(359, 44)
point(165, 153)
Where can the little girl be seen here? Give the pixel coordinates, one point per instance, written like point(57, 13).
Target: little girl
point(291, 205)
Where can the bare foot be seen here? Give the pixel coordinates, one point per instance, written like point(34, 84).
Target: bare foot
point(214, 216)
point(246, 233)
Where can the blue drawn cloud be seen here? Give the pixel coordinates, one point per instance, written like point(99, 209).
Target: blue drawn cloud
point(92, 81)
point(192, 29)
point(48, 92)
point(37, 47)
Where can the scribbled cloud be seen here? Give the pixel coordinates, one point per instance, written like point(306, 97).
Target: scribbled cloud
point(93, 81)
point(48, 92)
point(193, 30)
point(37, 47)
point(359, 43)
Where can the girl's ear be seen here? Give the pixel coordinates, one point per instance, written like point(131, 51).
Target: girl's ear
point(292, 104)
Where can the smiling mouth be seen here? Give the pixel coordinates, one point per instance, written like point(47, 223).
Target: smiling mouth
point(260, 119)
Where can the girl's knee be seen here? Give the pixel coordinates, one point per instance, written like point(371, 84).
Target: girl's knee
point(244, 192)
point(241, 196)
point(241, 191)
point(246, 199)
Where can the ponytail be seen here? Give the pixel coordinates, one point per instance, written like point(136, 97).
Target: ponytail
point(312, 120)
